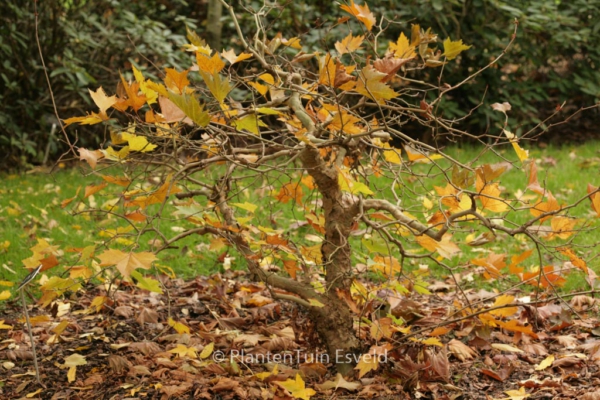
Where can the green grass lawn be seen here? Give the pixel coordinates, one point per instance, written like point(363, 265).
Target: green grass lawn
point(30, 208)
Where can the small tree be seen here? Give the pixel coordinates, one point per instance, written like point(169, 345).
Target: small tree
point(320, 135)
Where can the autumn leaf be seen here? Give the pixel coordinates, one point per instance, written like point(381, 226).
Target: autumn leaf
point(490, 198)
point(522, 154)
point(545, 363)
point(207, 350)
point(72, 362)
point(370, 84)
point(191, 107)
point(501, 301)
point(230, 56)
point(210, 65)
point(176, 81)
point(126, 262)
point(290, 191)
point(445, 247)
point(362, 13)
point(402, 48)
point(151, 95)
point(93, 189)
point(453, 48)
point(91, 157)
point(183, 351)
point(178, 326)
point(297, 388)
point(339, 382)
point(349, 44)
point(594, 198)
point(545, 207)
point(250, 123)
point(562, 227)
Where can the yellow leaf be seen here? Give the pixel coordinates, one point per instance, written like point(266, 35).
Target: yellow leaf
point(232, 58)
point(402, 48)
point(246, 206)
point(4, 326)
point(34, 394)
point(178, 326)
point(4, 295)
point(72, 373)
point(420, 156)
point(522, 154)
point(453, 48)
point(432, 342)
point(503, 300)
point(517, 394)
point(137, 143)
point(362, 13)
point(392, 156)
point(7, 283)
point(562, 227)
point(367, 364)
point(370, 84)
point(127, 262)
point(183, 351)
point(428, 204)
point(349, 44)
point(490, 198)
point(262, 89)
point(151, 95)
point(90, 119)
point(297, 388)
point(546, 362)
point(103, 101)
point(207, 350)
point(506, 347)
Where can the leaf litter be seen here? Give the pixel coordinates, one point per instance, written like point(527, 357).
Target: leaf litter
point(225, 337)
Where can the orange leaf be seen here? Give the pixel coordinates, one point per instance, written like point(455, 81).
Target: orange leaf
point(290, 191)
point(117, 180)
point(91, 189)
point(545, 207)
point(176, 81)
point(362, 13)
point(595, 199)
point(575, 260)
point(492, 264)
point(211, 65)
point(445, 247)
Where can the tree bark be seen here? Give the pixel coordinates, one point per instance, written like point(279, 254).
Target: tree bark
point(214, 25)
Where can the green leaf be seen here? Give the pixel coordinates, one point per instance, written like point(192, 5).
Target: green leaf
point(218, 87)
point(249, 123)
point(453, 48)
point(191, 107)
point(267, 110)
point(149, 284)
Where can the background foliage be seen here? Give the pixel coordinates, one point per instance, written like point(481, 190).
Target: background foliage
point(87, 44)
